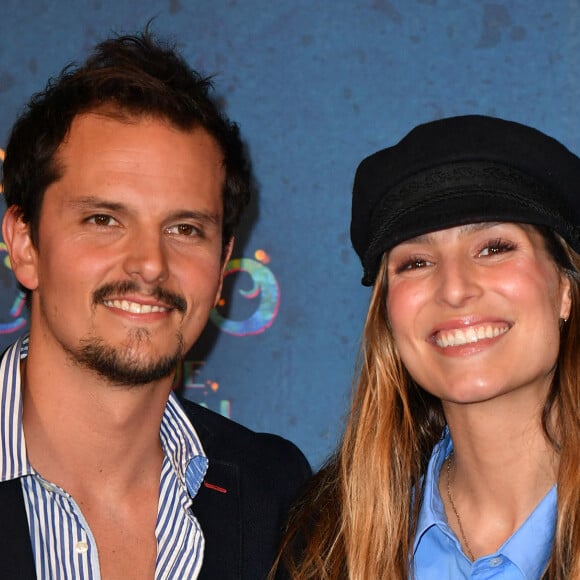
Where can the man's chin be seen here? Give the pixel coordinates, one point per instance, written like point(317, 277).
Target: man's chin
point(124, 367)
point(123, 375)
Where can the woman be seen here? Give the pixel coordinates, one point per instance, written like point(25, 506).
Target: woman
point(461, 456)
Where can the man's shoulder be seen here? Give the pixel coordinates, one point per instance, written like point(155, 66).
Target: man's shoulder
point(227, 440)
point(252, 480)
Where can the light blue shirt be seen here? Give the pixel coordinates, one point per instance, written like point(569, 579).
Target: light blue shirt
point(438, 554)
point(62, 542)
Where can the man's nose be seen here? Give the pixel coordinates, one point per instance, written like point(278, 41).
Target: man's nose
point(146, 257)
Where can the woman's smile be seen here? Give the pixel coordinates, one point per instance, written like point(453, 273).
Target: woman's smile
point(469, 334)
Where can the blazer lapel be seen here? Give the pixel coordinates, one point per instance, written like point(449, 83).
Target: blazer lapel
point(217, 509)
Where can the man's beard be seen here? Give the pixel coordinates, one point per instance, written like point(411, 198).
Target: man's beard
point(123, 365)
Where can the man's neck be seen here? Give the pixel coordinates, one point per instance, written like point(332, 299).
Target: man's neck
point(101, 444)
point(81, 432)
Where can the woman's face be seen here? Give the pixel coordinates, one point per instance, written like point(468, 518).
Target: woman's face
point(475, 310)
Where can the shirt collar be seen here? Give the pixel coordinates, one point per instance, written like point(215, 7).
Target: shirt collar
point(529, 548)
point(13, 460)
point(179, 439)
point(432, 511)
point(182, 446)
point(534, 537)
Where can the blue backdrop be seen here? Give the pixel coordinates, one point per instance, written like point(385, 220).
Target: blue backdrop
point(315, 85)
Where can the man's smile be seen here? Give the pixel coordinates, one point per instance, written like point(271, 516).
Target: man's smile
point(134, 307)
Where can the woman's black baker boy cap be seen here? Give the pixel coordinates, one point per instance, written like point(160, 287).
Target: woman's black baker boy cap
point(462, 170)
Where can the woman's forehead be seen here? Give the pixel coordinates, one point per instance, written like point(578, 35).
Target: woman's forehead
point(462, 230)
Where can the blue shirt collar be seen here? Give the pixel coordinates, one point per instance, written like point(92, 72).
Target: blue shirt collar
point(182, 446)
point(179, 439)
point(528, 548)
point(432, 511)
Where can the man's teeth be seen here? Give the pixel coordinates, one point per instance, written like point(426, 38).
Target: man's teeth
point(134, 307)
point(468, 335)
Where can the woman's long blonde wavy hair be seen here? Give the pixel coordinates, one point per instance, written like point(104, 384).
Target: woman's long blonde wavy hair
point(358, 518)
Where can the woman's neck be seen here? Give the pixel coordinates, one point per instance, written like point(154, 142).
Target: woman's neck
point(502, 466)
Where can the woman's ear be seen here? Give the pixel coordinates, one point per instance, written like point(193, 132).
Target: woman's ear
point(21, 249)
point(566, 297)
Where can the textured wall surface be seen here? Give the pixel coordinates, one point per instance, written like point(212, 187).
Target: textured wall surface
point(315, 85)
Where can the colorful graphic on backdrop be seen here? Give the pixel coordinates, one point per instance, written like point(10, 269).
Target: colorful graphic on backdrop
point(264, 287)
point(254, 315)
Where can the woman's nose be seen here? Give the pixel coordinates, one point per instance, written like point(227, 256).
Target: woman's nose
point(457, 281)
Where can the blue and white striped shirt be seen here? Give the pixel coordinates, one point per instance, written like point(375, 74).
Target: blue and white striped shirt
point(62, 542)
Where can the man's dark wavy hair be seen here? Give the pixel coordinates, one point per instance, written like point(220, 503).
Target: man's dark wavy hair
point(129, 76)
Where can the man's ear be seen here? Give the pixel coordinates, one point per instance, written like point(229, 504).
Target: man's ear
point(227, 253)
point(21, 250)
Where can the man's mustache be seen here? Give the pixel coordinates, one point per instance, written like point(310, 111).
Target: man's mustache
point(118, 289)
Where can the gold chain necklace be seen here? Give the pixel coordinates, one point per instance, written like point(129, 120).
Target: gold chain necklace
point(450, 497)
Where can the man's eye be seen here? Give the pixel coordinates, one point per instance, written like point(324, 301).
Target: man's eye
point(102, 220)
point(184, 230)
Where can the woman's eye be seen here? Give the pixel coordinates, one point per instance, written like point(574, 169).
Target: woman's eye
point(495, 247)
point(413, 264)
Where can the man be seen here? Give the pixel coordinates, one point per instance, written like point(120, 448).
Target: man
point(124, 185)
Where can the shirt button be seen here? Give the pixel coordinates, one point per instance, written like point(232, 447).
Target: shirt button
point(81, 547)
point(494, 562)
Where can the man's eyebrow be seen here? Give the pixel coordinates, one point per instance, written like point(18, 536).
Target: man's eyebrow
point(202, 216)
point(94, 203)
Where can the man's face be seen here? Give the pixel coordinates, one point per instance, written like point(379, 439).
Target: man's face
point(129, 257)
